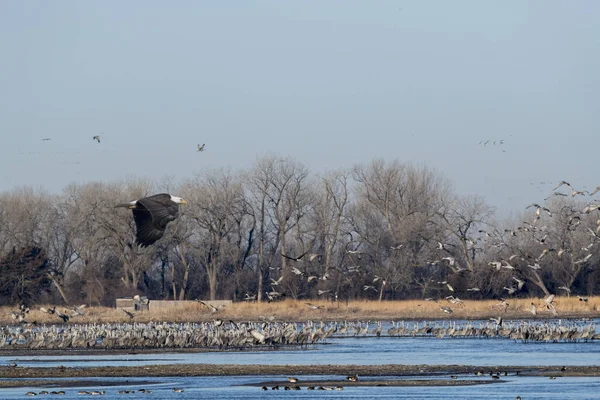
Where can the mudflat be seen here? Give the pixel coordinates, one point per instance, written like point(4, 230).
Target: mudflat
point(342, 370)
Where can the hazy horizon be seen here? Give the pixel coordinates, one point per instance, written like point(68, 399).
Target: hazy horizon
point(332, 84)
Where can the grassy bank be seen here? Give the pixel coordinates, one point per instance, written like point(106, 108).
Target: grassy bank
point(298, 310)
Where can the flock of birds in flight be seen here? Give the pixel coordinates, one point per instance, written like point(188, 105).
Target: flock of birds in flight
point(492, 143)
point(531, 262)
point(510, 264)
point(152, 215)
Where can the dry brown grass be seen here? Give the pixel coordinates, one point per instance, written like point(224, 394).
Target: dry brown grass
point(297, 310)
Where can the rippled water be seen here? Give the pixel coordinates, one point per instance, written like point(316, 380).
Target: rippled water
point(351, 350)
point(363, 351)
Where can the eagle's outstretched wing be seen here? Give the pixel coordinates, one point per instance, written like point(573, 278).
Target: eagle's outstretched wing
point(151, 215)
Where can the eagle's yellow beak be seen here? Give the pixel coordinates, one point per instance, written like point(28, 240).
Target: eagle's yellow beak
point(183, 201)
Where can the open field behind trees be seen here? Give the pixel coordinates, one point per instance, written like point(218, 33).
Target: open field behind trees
point(385, 230)
point(295, 310)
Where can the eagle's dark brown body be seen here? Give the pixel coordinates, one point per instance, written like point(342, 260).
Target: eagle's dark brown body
point(152, 214)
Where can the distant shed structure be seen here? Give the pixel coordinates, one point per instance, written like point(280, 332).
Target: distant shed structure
point(126, 304)
point(135, 303)
point(156, 305)
point(141, 304)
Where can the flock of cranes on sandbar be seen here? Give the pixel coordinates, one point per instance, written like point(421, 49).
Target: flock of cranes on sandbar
point(219, 334)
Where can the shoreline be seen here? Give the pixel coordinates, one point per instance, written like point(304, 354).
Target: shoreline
point(6, 384)
point(297, 311)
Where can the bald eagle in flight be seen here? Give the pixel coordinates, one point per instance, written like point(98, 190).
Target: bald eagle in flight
point(152, 214)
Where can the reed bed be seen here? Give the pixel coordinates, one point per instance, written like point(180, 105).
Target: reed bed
point(298, 310)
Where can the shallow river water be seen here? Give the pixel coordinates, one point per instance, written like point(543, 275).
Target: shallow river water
point(349, 350)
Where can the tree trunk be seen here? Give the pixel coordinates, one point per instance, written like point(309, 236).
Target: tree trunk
point(173, 281)
point(260, 285)
point(60, 289)
point(162, 278)
point(212, 283)
point(186, 272)
point(540, 283)
point(283, 250)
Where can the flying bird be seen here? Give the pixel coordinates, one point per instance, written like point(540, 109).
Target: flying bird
point(201, 148)
point(538, 209)
point(451, 260)
point(566, 289)
point(46, 139)
point(583, 260)
point(549, 303)
point(563, 183)
point(152, 214)
point(63, 316)
point(495, 264)
point(511, 290)
point(556, 194)
point(588, 209)
point(276, 282)
point(212, 308)
point(581, 192)
point(520, 283)
point(533, 309)
point(311, 257)
point(97, 138)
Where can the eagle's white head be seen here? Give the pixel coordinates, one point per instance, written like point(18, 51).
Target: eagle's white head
point(178, 200)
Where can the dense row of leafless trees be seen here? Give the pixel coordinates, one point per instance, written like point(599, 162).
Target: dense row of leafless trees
point(385, 230)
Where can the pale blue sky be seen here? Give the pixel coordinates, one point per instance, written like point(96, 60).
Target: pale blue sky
point(332, 83)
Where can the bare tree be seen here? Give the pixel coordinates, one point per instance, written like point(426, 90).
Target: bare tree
point(217, 203)
point(463, 218)
point(331, 211)
point(280, 201)
point(395, 204)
